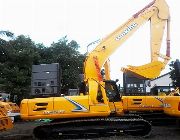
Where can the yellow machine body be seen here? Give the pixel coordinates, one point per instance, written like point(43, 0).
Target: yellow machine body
point(172, 104)
point(70, 106)
point(143, 103)
point(62, 107)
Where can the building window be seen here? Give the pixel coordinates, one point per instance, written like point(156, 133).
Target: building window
point(141, 85)
point(39, 83)
point(35, 83)
point(43, 84)
point(52, 82)
point(43, 90)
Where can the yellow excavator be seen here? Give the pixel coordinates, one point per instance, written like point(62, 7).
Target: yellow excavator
point(5, 121)
point(98, 110)
point(139, 102)
point(9, 111)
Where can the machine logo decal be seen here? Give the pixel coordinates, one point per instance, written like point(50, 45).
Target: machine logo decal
point(54, 112)
point(79, 107)
point(126, 31)
point(159, 99)
point(167, 105)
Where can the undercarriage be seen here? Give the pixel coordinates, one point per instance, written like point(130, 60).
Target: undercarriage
point(93, 127)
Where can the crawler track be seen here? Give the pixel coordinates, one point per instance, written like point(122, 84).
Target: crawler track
point(157, 118)
point(96, 127)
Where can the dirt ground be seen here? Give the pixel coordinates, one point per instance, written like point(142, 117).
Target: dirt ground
point(23, 131)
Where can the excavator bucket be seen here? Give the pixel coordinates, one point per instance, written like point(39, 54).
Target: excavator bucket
point(5, 121)
point(147, 71)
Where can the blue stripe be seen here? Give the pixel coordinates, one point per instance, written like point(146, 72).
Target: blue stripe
point(78, 106)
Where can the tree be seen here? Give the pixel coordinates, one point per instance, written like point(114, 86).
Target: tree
point(4, 50)
point(18, 54)
point(15, 71)
point(175, 73)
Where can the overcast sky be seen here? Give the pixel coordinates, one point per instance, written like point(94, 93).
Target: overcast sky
point(85, 21)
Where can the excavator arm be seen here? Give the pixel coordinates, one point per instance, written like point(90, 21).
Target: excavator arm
point(157, 12)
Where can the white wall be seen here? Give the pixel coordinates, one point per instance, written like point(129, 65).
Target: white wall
point(161, 81)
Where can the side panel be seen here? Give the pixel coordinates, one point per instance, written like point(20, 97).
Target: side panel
point(143, 103)
point(62, 107)
point(172, 106)
point(154, 103)
point(37, 106)
point(71, 105)
point(133, 103)
point(78, 106)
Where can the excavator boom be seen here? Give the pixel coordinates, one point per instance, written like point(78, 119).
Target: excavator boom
point(157, 12)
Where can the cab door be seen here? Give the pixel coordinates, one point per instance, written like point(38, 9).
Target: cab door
point(112, 93)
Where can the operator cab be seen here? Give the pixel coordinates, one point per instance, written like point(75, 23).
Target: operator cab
point(112, 91)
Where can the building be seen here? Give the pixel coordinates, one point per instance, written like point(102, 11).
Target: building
point(137, 86)
point(162, 83)
point(46, 80)
point(133, 85)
